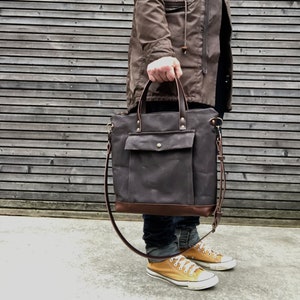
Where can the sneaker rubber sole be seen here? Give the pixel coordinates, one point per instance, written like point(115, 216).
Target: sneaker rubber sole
point(190, 285)
point(223, 266)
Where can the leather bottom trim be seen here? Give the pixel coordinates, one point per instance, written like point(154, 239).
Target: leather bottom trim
point(165, 209)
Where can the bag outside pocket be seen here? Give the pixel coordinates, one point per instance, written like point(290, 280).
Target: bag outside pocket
point(159, 163)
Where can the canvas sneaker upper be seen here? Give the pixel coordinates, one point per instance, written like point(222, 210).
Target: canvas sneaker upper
point(208, 258)
point(182, 272)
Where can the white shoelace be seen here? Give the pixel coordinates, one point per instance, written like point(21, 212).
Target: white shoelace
point(188, 265)
point(203, 247)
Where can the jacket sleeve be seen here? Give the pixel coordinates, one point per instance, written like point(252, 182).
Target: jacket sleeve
point(152, 29)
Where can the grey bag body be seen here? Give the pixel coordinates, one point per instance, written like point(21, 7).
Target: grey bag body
point(165, 163)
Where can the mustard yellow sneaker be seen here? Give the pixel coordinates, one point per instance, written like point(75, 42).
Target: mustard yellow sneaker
point(183, 273)
point(207, 258)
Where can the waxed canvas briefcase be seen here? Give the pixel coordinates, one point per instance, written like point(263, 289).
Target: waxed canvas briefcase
point(165, 163)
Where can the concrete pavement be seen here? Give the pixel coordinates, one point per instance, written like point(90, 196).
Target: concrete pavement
point(69, 259)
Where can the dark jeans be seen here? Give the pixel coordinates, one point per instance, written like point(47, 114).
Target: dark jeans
point(165, 235)
point(159, 231)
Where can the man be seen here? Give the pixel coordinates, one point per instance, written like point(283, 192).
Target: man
point(190, 40)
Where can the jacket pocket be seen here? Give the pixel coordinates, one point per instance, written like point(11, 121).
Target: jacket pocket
point(174, 6)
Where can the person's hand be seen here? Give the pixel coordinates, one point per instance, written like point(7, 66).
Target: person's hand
point(164, 69)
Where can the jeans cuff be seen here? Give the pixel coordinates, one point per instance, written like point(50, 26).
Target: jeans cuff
point(170, 249)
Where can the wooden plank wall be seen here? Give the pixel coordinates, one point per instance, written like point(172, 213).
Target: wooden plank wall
point(62, 74)
point(262, 134)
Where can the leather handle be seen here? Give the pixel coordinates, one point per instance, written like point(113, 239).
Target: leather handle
point(182, 105)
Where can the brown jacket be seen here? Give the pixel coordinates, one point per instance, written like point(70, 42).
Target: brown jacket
point(194, 31)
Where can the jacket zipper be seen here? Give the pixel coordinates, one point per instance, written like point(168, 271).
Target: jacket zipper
point(204, 47)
